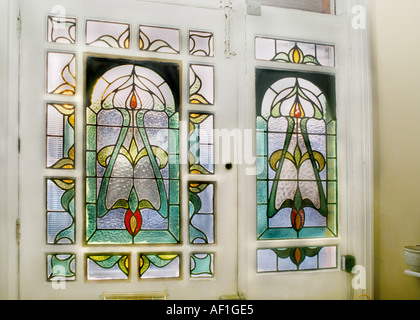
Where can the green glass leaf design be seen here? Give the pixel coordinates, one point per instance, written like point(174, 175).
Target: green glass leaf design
point(108, 262)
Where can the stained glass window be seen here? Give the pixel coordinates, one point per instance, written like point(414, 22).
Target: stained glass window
point(159, 266)
point(61, 30)
point(201, 43)
point(61, 267)
point(61, 73)
point(201, 207)
point(107, 34)
point(158, 39)
point(60, 211)
point(272, 49)
point(296, 151)
point(108, 267)
point(202, 265)
point(132, 160)
point(201, 84)
point(296, 259)
point(201, 143)
point(60, 136)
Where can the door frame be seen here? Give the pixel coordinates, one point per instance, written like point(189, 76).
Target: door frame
point(357, 191)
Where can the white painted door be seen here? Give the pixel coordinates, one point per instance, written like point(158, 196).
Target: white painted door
point(85, 84)
point(291, 239)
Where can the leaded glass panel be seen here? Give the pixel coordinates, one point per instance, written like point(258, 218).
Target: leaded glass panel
point(108, 266)
point(202, 265)
point(61, 73)
point(107, 34)
point(61, 267)
point(279, 50)
point(201, 84)
point(296, 151)
point(61, 29)
point(158, 39)
point(132, 157)
point(296, 259)
point(60, 136)
point(60, 211)
point(201, 43)
point(159, 266)
point(201, 143)
point(201, 208)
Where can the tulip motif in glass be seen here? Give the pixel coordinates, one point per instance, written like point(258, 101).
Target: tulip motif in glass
point(296, 150)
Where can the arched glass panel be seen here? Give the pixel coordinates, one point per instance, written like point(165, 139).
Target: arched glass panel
point(132, 158)
point(296, 149)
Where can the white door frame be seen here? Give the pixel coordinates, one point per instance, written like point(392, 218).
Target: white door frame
point(9, 144)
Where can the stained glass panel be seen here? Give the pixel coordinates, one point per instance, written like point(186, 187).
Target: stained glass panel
point(296, 259)
point(201, 43)
point(108, 267)
point(201, 84)
point(60, 211)
point(132, 157)
point(61, 267)
point(272, 49)
point(158, 39)
point(107, 34)
point(201, 143)
point(60, 136)
point(202, 265)
point(159, 266)
point(61, 73)
point(201, 207)
point(297, 180)
point(61, 30)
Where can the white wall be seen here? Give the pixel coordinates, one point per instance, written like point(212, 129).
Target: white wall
point(396, 114)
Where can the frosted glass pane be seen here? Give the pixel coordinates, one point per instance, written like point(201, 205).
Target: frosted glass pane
point(61, 29)
point(201, 44)
point(157, 39)
point(107, 34)
point(61, 73)
point(201, 84)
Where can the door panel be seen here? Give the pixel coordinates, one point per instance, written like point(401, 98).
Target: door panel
point(142, 237)
point(295, 223)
